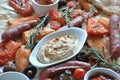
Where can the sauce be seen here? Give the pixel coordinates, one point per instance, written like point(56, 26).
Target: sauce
point(45, 2)
point(101, 76)
point(57, 49)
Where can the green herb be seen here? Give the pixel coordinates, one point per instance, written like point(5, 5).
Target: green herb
point(36, 30)
point(102, 60)
point(88, 14)
point(66, 13)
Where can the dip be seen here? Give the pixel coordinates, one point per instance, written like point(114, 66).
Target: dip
point(101, 76)
point(57, 49)
point(45, 2)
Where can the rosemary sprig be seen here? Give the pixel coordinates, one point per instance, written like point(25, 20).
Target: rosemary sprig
point(67, 17)
point(88, 15)
point(35, 31)
point(66, 13)
point(30, 39)
point(39, 26)
point(103, 61)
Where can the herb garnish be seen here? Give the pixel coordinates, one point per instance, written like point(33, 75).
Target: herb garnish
point(88, 15)
point(103, 61)
point(35, 31)
point(66, 14)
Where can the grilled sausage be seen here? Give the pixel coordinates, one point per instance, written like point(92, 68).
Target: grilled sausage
point(76, 22)
point(71, 65)
point(17, 30)
point(23, 7)
point(114, 37)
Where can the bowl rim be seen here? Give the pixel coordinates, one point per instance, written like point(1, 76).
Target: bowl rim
point(14, 73)
point(102, 70)
point(33, 55)
point(40, 5)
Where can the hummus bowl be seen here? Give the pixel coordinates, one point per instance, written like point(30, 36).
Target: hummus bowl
point(80, 35)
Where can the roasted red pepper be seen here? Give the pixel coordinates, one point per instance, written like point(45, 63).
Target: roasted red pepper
point(95, 28)
point(56, 16)
point(23, 7)
point(7, 51)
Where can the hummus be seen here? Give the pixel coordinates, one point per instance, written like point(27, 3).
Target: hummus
point(57, 49)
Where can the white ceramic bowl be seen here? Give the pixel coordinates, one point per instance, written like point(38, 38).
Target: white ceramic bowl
point(13, 76)
point(41, 10)
point(79, 33)
point(106, 71)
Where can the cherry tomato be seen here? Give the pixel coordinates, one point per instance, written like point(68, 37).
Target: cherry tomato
point(55, 15)
point(79, 73)
point(55, 25)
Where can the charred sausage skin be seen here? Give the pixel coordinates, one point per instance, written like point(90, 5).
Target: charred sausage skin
point(114, 37)
point(70, 65)
point(16, 30)
point(76, 22)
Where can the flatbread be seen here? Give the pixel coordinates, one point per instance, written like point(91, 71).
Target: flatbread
point(109, 7)
point(6, 13)
point(97, 42)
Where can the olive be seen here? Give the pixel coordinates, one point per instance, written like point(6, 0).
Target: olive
point(81, 56)
point(30, 71)
point(62, 3)
point(67, 75)
point(9, 67)
point(46, 21)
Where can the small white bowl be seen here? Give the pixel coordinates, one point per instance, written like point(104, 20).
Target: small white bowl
point(41, 10)
point(106, 71)
point(13, 76)
point(79, 33)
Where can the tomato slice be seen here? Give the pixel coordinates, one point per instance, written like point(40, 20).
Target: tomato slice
point(79, 73)
point(55, 25)
point(95, 28)
point(56, 16)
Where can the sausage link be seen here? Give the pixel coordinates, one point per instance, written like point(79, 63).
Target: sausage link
point(114, 37)
point(71, 65)
point(76, 22)
point(17, 30)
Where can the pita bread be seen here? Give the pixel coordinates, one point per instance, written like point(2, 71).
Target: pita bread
point(6, 13)
point(108, 7)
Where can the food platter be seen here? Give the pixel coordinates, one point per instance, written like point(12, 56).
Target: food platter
point(94, 20)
